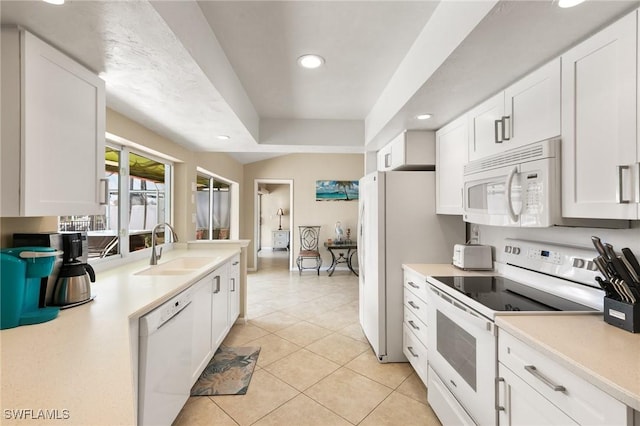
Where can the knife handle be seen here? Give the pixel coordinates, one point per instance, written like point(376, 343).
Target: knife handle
point(633, 261)
point(597, 243)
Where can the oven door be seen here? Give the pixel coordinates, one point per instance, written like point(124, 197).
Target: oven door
point(462, 352)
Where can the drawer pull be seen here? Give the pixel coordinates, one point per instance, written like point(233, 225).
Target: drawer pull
point(410, 349)
point(412, 284)
point(413, 324)
point(498, 407)
point(413, 305)
point(534, 371)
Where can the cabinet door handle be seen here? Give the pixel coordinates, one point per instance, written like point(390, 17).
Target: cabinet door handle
point(412, 284)
point(620, 188)
point(105, 200)
point(497, 132)
point(410, 349)
point(498, 407)
point(534, 371)
point(387, 160)
point(413, 324)
point(413, 305)
point(506, 128)
point(233, 284)
point(235, 263)
point(216, 279)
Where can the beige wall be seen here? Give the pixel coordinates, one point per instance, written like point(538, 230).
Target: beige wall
point(304, 170)
point(277, 198)
point(185, 173)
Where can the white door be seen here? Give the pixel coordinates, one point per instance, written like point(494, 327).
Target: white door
point(532, 107)
point(64, 130)
point(372, 312)
point(451, 156)
point(485, 128)
point(234, 290)
point(599, 124)
point(220, 291)
point(202, 349)
point(521, 405)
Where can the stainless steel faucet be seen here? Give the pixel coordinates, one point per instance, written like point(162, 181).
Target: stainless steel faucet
point(155, 257)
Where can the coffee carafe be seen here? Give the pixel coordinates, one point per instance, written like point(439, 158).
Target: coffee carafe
point(73, 286)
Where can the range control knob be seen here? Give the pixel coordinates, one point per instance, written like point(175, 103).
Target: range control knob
point(507, 249)
point(515, 250)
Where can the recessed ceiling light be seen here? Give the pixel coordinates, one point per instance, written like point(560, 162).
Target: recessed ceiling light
point(56, 2)
point(569, 3)
point(310, 61)
point(223, 137)
point(423, 116)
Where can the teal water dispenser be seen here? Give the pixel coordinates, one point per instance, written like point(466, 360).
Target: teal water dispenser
point(21, 271)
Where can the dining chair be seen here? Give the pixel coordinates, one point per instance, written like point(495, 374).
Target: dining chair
point(309, 238)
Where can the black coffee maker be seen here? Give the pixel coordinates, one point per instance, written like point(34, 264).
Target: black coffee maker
point(73, 285)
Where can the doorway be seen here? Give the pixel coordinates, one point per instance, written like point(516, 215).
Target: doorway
point(273, 219)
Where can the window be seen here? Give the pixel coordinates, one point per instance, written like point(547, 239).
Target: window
point(213, 208)
point(139, 199)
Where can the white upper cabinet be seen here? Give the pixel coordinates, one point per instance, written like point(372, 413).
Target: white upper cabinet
point(485, 129)
point(532, 107)
point(410, 150)
point(53, 129)
point(451, 156)
point(599, 127)
point(527, 111)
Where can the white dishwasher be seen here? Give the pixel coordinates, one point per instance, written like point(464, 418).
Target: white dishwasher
point(165, 361)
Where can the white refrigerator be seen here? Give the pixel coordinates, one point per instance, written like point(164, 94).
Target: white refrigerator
point(397, 224)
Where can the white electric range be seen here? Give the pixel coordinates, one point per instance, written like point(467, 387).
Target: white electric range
point(531, 278)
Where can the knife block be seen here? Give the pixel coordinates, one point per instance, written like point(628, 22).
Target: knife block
point(622, 315)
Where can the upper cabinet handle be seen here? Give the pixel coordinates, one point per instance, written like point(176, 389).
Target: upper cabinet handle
point(497, 132)
point(506, 128)
point(620, 189)
point(387, 160)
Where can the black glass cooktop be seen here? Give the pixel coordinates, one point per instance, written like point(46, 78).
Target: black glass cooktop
point(502, 294)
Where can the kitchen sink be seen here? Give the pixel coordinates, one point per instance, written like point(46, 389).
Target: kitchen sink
point(178, 266)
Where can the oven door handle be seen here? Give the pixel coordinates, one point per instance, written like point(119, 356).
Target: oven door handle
point(454, 309)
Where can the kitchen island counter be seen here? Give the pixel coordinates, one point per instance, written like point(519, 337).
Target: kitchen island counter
point(603, 355)
point(80, 368)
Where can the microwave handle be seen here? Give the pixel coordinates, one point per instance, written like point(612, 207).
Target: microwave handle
point(512, 214)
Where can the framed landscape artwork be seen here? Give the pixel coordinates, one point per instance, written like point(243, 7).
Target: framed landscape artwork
point(337, 190)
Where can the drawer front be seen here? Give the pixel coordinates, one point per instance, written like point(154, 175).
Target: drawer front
point(417, 326)
point(415, 352)
point(576, 397)
point(415, 305)
point(417, 283)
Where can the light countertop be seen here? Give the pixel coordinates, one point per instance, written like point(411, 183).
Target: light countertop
point(603, 355)
point(79, 367)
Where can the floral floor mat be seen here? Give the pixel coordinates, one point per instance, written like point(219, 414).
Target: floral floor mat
point(228, 373)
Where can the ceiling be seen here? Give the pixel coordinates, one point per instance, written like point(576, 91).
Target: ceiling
point(194, 70)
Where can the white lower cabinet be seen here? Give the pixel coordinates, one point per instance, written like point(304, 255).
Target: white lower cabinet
point(414, 335)
point(532, 389)
point(202, 349)
point(234, 290)
point(220, 293)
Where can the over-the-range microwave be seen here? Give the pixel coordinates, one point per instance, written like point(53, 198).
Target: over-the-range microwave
point(519, 187)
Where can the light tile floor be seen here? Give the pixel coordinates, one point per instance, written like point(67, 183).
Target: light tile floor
point(315, 366)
